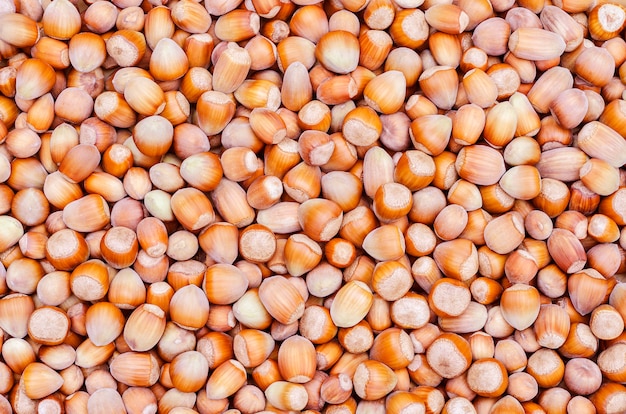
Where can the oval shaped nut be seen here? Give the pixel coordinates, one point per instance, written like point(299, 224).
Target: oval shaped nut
point(135, 369)
point(558, 21)
point(189, 371)
point(522, 151)
point(605, 258)
point(18, 30)
point(528, 122)
point(492, 35)
point(392, 201)
point(522, 182)
point(15, 312)
point(214, 111)
point(431, 133)
point(104, 322)
point(192, 208)
point(331, 90)
point(552, 326)
point(480, 164)
point(258, 93)
point(342, 187)
point(267, 125)
point(320, 219)
point(587, 290)
point(296, 359)
point(564, 163)
point(570, 107)
point(504, 233)
point(385, 243)
point(226, 380)
point(12, 232)
point(281, 218)
point(338, 51)
point(378, 169)
point(231, 69)
point(251, 347)
point(373, 380)
point(297, 90)
point(468, 124)
point(600, 177)
point(281, 299)
point(303, 182)
point(79, 162)
point(548, 86)
point(466, 196)
point(40, 380)
point(224, 283)
point(34, 78)
point(168, 61)
point(144, 96)
point(595, 65)
point(229, 200)
point(393, 347)
point(386, 92)
point(357, 224)
point(236, 25)
point(536, 44)
point(457, 259)
point(87, 214)
point(250, 311)
point(220, 242)
point(500, 124)
point(409, 28)
point(144, 327)
point(447, 18)
point(189, 307)
point(351, 304)
point(566, 250)
point(440, 84)
point(600, 141)
point(480, 88)
point(361, 126)
point(301, 254)
point(62, 21)
point(287, 396)
point(291, 49)
point(153, 135)
point(519, 305)
point(24, 142)
point(414, 169)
